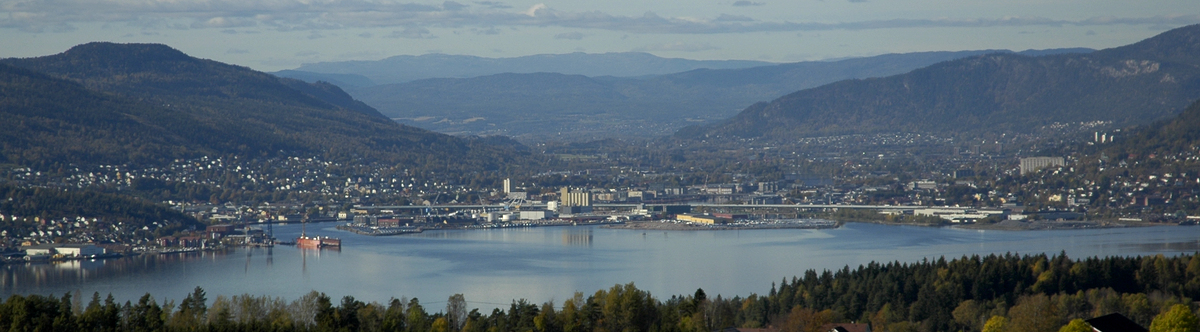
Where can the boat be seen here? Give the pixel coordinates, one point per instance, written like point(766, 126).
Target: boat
point(318, 242)
point(331, 242)
point(315, 242)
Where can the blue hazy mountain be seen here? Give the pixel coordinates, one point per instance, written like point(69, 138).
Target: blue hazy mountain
point(994, 93)
point(406, 68)
point(561, 105)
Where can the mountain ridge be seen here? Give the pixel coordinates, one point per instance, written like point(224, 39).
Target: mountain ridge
point(150, 71)
point(152, 98)
point(540, 106)
point(993, 93)
point(407, 68)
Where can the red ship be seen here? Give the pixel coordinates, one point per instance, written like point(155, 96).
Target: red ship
point(315, 242)
point(318, 242)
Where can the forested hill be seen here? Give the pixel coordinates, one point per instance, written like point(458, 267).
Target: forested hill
point(48, 119)
point(994, 93)
point(112, 209)
point(1173, 137)
point(134, 103)
point(155, 71)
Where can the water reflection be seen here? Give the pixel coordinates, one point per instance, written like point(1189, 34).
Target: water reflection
point(40, 274)
point(444, 234)
point(539, 264)
point(1165, 247)
point(572, 236)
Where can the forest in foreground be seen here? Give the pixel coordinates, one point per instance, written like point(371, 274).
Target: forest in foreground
point(995, 293)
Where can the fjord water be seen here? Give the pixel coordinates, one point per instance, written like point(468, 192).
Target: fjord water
point(492, 267)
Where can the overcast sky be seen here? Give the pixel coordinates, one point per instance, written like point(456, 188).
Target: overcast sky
point(281, 34)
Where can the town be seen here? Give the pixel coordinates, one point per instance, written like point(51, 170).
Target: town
point(908, 178)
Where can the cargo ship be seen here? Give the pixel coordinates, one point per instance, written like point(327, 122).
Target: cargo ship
point(318, 242)
point(315, 242)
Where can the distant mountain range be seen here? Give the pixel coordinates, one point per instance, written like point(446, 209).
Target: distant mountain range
point(147, 103)
point(556, 105)
point(407, 68)
point(994, 93)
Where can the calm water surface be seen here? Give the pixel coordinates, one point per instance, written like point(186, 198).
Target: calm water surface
point(493, 267)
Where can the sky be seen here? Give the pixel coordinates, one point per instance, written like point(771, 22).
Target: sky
point(271, 35)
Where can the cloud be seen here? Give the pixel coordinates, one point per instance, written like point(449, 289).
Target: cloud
point(745, 3)
point(311, 15)
point(412, 33)
point(224, 22)
point(486, 32)
point(237, 51)
point(569, 35)
point(493, 4)
point(733, 18)
point(857, 1)
point(366, 35)
point(532, 11)
point(677, 47)
point(307, 53)
point(360, 55)
point(453, 6)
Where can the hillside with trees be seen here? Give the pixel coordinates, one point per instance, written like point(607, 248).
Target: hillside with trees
point(1169, 137)
point(143, 103)
point(27, 209)
point(989, 94)
point(48, 120)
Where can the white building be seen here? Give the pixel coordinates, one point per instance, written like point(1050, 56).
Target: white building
point(536, 215)
point(68, 250)
point(1030, 165)
point(957, 214)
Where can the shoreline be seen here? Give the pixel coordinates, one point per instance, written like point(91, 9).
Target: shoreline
point(814, 223)
point(1013, 225)
point(393, 231)
point(665, 225)
point(1007, 225)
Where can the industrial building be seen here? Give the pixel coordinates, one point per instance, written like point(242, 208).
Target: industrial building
point(536, 215)
point(570, 198)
